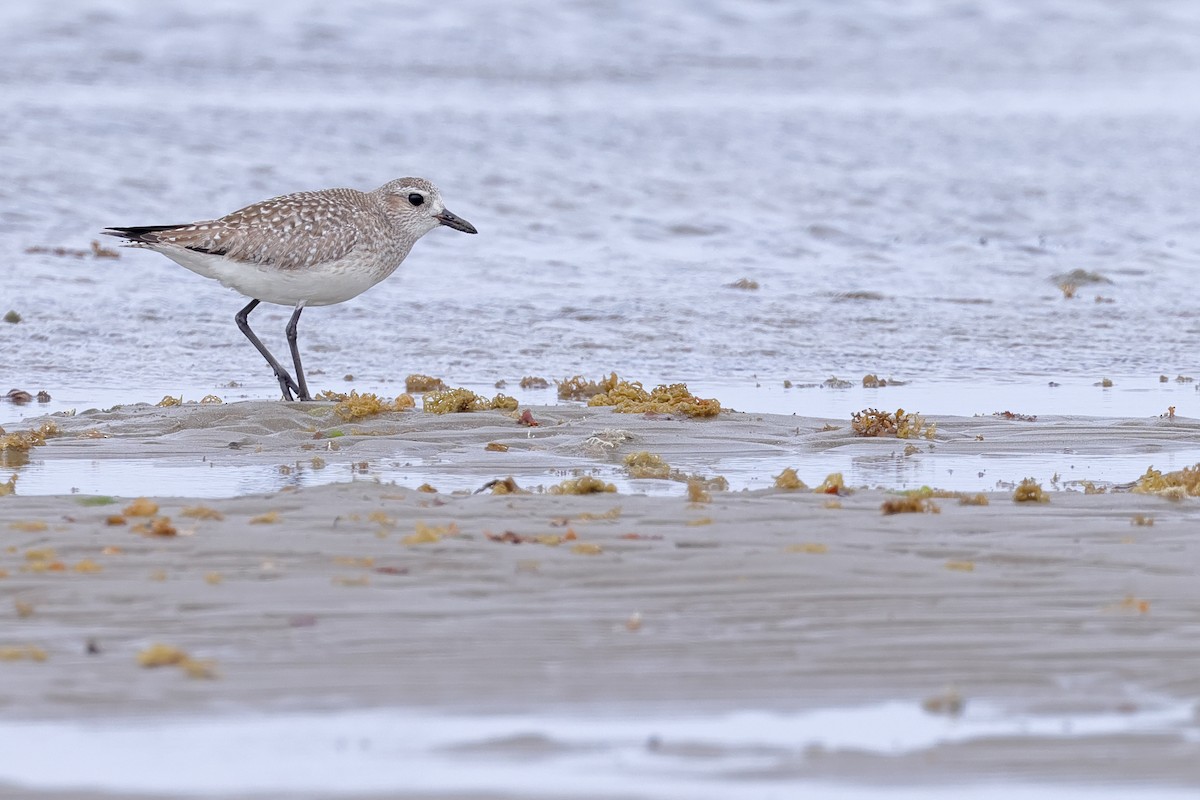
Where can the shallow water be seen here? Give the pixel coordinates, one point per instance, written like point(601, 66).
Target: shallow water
point(126, 477)
point(906, 184)
point(1061, 469)
point(745, 754)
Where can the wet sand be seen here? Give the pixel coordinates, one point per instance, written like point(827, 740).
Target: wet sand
point(365, 594)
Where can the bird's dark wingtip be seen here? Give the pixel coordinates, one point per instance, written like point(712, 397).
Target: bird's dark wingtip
point(139, 234)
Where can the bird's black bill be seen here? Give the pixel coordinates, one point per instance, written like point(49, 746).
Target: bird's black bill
point(456, 222)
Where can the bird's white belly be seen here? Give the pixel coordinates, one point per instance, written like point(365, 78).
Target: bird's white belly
point(320, 285)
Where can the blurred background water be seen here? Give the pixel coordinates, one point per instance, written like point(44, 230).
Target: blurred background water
point(906, 183)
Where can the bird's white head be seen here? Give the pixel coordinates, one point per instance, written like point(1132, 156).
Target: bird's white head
point(416, 204)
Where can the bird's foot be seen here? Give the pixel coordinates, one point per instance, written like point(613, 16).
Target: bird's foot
point(287, 385)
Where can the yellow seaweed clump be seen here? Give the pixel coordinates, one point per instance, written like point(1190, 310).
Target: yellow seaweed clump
point(420, 384)
point(912, 504)
point(872, 422)
point(1173, 485)
point(788, 479)
point(1030, 491)
point(9, 486)
point(42, 560)
point(202, 512)
point(28, 652)
point(580, 388)
point(158, 526)
point(16, 444)
point(504, 486)
point(457, 401)
point(631, 398)
point(142, 507)
point(165, 655)
point(584, 485)
point(699, 487)
point(927, 491)
point(502, 402)
point(717, 483)
point(645, 464)
point(834, 483)
point(360, 406)
point(430, 534)
point(160, 655)
point(812, 548)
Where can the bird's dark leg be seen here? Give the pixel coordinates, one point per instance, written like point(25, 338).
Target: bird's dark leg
point(302, 391)
point(286, 384)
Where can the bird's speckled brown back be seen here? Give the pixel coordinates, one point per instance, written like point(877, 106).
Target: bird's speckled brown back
point(294, 231)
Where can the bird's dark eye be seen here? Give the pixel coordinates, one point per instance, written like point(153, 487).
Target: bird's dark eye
point(416, 199)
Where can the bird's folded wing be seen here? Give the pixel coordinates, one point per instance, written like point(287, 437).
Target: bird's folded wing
point(289, 232)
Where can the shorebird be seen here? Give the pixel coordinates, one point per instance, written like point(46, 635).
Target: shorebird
point(303, 249)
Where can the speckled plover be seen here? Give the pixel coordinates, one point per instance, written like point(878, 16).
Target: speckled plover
point(303, 249)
